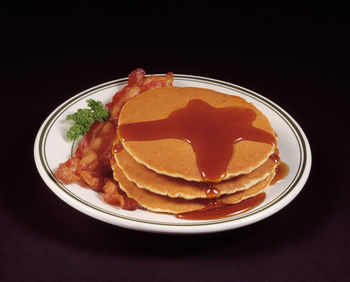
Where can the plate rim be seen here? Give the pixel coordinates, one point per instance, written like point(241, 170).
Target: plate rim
point(191, 227)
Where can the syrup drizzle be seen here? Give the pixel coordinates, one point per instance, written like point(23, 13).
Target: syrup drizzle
point(215, 209)
point(282, 168)
point(117, 147)
point(212, 191)
point(282, 171)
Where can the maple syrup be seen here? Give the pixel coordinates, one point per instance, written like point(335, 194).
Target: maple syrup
point(212, 191)
point(282, 171)
point(282, 168)
point(117, 147)
point(215, 209)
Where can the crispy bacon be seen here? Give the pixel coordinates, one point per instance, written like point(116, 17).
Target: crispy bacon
point(90, 164)
point(137, 84)
point(114, 196)
point(66, 172)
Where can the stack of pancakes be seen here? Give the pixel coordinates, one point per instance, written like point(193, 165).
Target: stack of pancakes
point(163, 175)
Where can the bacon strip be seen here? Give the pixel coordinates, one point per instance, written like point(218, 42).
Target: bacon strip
point(90, 166)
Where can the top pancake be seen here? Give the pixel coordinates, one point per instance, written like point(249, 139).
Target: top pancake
point(175, 157)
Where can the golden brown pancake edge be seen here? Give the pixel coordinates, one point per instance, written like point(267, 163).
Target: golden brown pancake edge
point(176, 187)
point(159, 203)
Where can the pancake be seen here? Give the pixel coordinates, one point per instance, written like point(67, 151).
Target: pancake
point(161, 184)
point(175, 157)
point(252, 191)
point(159, 203)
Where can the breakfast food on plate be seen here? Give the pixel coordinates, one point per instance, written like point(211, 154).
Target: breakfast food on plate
point(187, 151)
point(90, 165)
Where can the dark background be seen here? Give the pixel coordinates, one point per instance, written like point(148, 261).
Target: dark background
point(297, 58)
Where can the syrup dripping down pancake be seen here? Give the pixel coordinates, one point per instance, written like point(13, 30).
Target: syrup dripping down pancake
point(161, 184)
point(177, 158)
point(159, 203)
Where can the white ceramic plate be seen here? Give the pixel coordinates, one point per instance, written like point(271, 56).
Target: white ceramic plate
point(51, 149)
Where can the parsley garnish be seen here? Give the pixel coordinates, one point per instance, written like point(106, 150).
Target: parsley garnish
point(84, 118)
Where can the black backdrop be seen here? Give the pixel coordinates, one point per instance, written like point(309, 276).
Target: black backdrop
point(297, 58)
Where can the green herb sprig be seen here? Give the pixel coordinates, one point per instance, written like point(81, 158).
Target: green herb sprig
point(84, 118)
